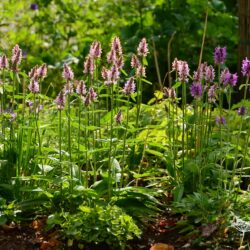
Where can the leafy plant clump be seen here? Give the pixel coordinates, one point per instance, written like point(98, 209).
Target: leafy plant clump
point(97, 225)
point(96, 155)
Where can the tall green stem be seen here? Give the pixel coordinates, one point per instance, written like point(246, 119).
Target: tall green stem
point(111, 140)
point(13, 91)
point(60, 145)
point(124, 143)
point(3, 108)
point(69, 144)
point(138, 104)
point(183, 120)
point(246, 88)
point(86, 147)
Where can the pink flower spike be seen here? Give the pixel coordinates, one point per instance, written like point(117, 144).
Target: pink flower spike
point(42, 71)
point(81, 88)
point(142, 49)
point(60, 100)
point(95, 49)
point(114, 73)
point(170, 93)
point(87, 100)
point(111, 57)
point(89, 66)
point(104, 73)
point(129, 87)
point(33, 74)
point(92, 94)
point(209, 73)
point(183, 71)
point(141, 71)
point(118, 117)
point(212, 94)
point(175, 64)
point(68, 88)
point(34, 87)
point(116, 46)
point(135, 63)
point(4, 64)
point(119, 63)
point(16, 57)
point(67, 73)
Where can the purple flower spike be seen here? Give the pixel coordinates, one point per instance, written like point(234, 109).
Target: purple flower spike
point(129, 87)
point(60, 100)
point(118, 117)
point(233, 79)
point(229, 79)
point(34, 6)
point(4, 64)
point(212, 94)
point(196, 90)
point(209, 73)
point(220, 55)
point(199, 74)
point(220, 120)
point(81, 88)
point(225, 74)
point(142, 49)
point(67, 73)
point(242, 111)
point(89, 65)
point(245, 68)
point(34, 87)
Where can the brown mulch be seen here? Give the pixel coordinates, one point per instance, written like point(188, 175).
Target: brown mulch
point(160, 235)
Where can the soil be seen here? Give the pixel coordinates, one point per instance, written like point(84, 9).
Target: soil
point(32, 236)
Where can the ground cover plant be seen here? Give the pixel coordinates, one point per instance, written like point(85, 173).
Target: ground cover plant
point(96, 163)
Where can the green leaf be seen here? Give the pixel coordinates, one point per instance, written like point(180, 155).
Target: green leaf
point(154, 152)
point(158, 94)
point(146, 81)
point(144, 61)
point(11, 75)
point(178, 193)
point(177, 85)
point(124, 72)
point(242, 85)
point(85, 209)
